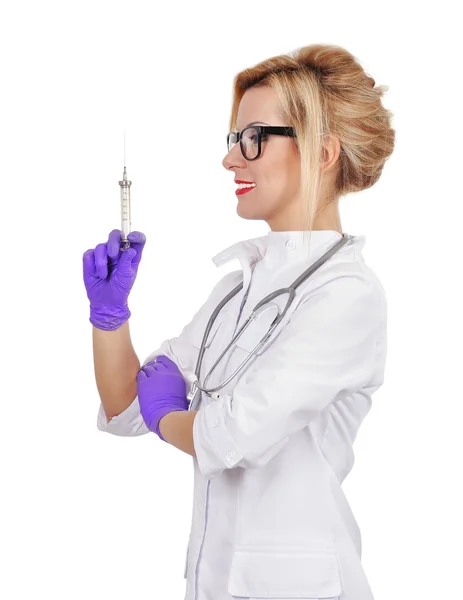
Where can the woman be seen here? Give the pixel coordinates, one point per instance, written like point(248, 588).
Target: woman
point(272, 447)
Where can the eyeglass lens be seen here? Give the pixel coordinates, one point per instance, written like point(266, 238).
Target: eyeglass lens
point(249, 142)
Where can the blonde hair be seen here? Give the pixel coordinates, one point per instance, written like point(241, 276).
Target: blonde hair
point(324, 90)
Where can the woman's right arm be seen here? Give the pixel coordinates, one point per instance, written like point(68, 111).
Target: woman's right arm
point(116, 367)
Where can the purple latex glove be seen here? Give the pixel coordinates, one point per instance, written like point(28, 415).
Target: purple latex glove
point(161, 390)
point(109, 274)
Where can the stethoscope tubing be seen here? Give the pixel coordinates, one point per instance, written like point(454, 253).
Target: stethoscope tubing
point(290, 290)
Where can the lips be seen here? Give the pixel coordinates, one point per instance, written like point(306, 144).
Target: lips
point(239, 192)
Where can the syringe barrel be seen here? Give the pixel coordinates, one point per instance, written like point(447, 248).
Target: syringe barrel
point(126, 222)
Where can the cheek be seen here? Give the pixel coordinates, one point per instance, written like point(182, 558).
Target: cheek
point(269, 173)
point(277, 172)
point(279, 166)
point(274, 181)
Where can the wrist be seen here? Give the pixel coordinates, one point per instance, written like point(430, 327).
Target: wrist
point(168, 412)
point(108, 317)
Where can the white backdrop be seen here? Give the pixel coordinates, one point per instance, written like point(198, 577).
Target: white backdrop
point(88, 515)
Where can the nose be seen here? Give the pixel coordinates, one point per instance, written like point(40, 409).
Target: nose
point(234, 158)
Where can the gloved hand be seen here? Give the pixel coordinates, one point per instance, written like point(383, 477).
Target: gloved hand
point(109, 274)
point(161, 390)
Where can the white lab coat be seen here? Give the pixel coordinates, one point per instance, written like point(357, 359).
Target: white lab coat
point(270, 519)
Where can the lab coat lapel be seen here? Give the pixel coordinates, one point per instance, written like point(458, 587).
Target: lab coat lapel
point(248, 252)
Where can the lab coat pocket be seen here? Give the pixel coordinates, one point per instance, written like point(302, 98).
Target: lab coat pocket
point(280, 573)
point(198, 333)
point(210, 354)
point(258, 328)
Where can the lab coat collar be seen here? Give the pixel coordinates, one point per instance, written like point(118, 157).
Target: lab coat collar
point(277, 244)
point(250, 250)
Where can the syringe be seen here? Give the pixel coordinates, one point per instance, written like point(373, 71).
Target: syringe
point(126, 223)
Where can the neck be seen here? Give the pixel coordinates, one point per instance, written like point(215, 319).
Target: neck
point(327, 219)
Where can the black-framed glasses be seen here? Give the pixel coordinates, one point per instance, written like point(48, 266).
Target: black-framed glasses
point(251, 137)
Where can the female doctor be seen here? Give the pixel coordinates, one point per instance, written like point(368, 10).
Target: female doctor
point(272, 447)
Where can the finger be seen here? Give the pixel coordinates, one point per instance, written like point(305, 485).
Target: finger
point(141, 376)
point(149, 370)
point(114, 243)
point(168, 364)
point(151, 362)
point(158, 367)
point(137, 241)
point(101, 261)
point(125, 262)
point(137, 237)
point(166, 361)
point(88, 261)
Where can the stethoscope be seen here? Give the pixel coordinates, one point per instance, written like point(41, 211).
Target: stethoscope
point(193, 395)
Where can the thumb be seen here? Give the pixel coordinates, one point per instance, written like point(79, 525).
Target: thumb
point(124, 265)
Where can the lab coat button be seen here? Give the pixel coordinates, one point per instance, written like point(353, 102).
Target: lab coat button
point(216, 422)
point(290, 244)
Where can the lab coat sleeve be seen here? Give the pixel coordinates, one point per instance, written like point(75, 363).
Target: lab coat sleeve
point(324, 353)
point(130, 423)
point(182, 350)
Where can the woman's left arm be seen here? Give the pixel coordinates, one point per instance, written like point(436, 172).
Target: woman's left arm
point(177, 429)
point(325, 353)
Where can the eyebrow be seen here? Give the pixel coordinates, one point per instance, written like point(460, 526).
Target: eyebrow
point(255, 123)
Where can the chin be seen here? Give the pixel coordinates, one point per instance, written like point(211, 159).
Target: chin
point(250, 210)
point(247, 213)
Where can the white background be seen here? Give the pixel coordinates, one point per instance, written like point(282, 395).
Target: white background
point(89, 515)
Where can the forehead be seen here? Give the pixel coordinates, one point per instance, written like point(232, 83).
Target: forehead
point(258, 104)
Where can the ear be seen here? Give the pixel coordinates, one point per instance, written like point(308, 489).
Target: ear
point(331, 151)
